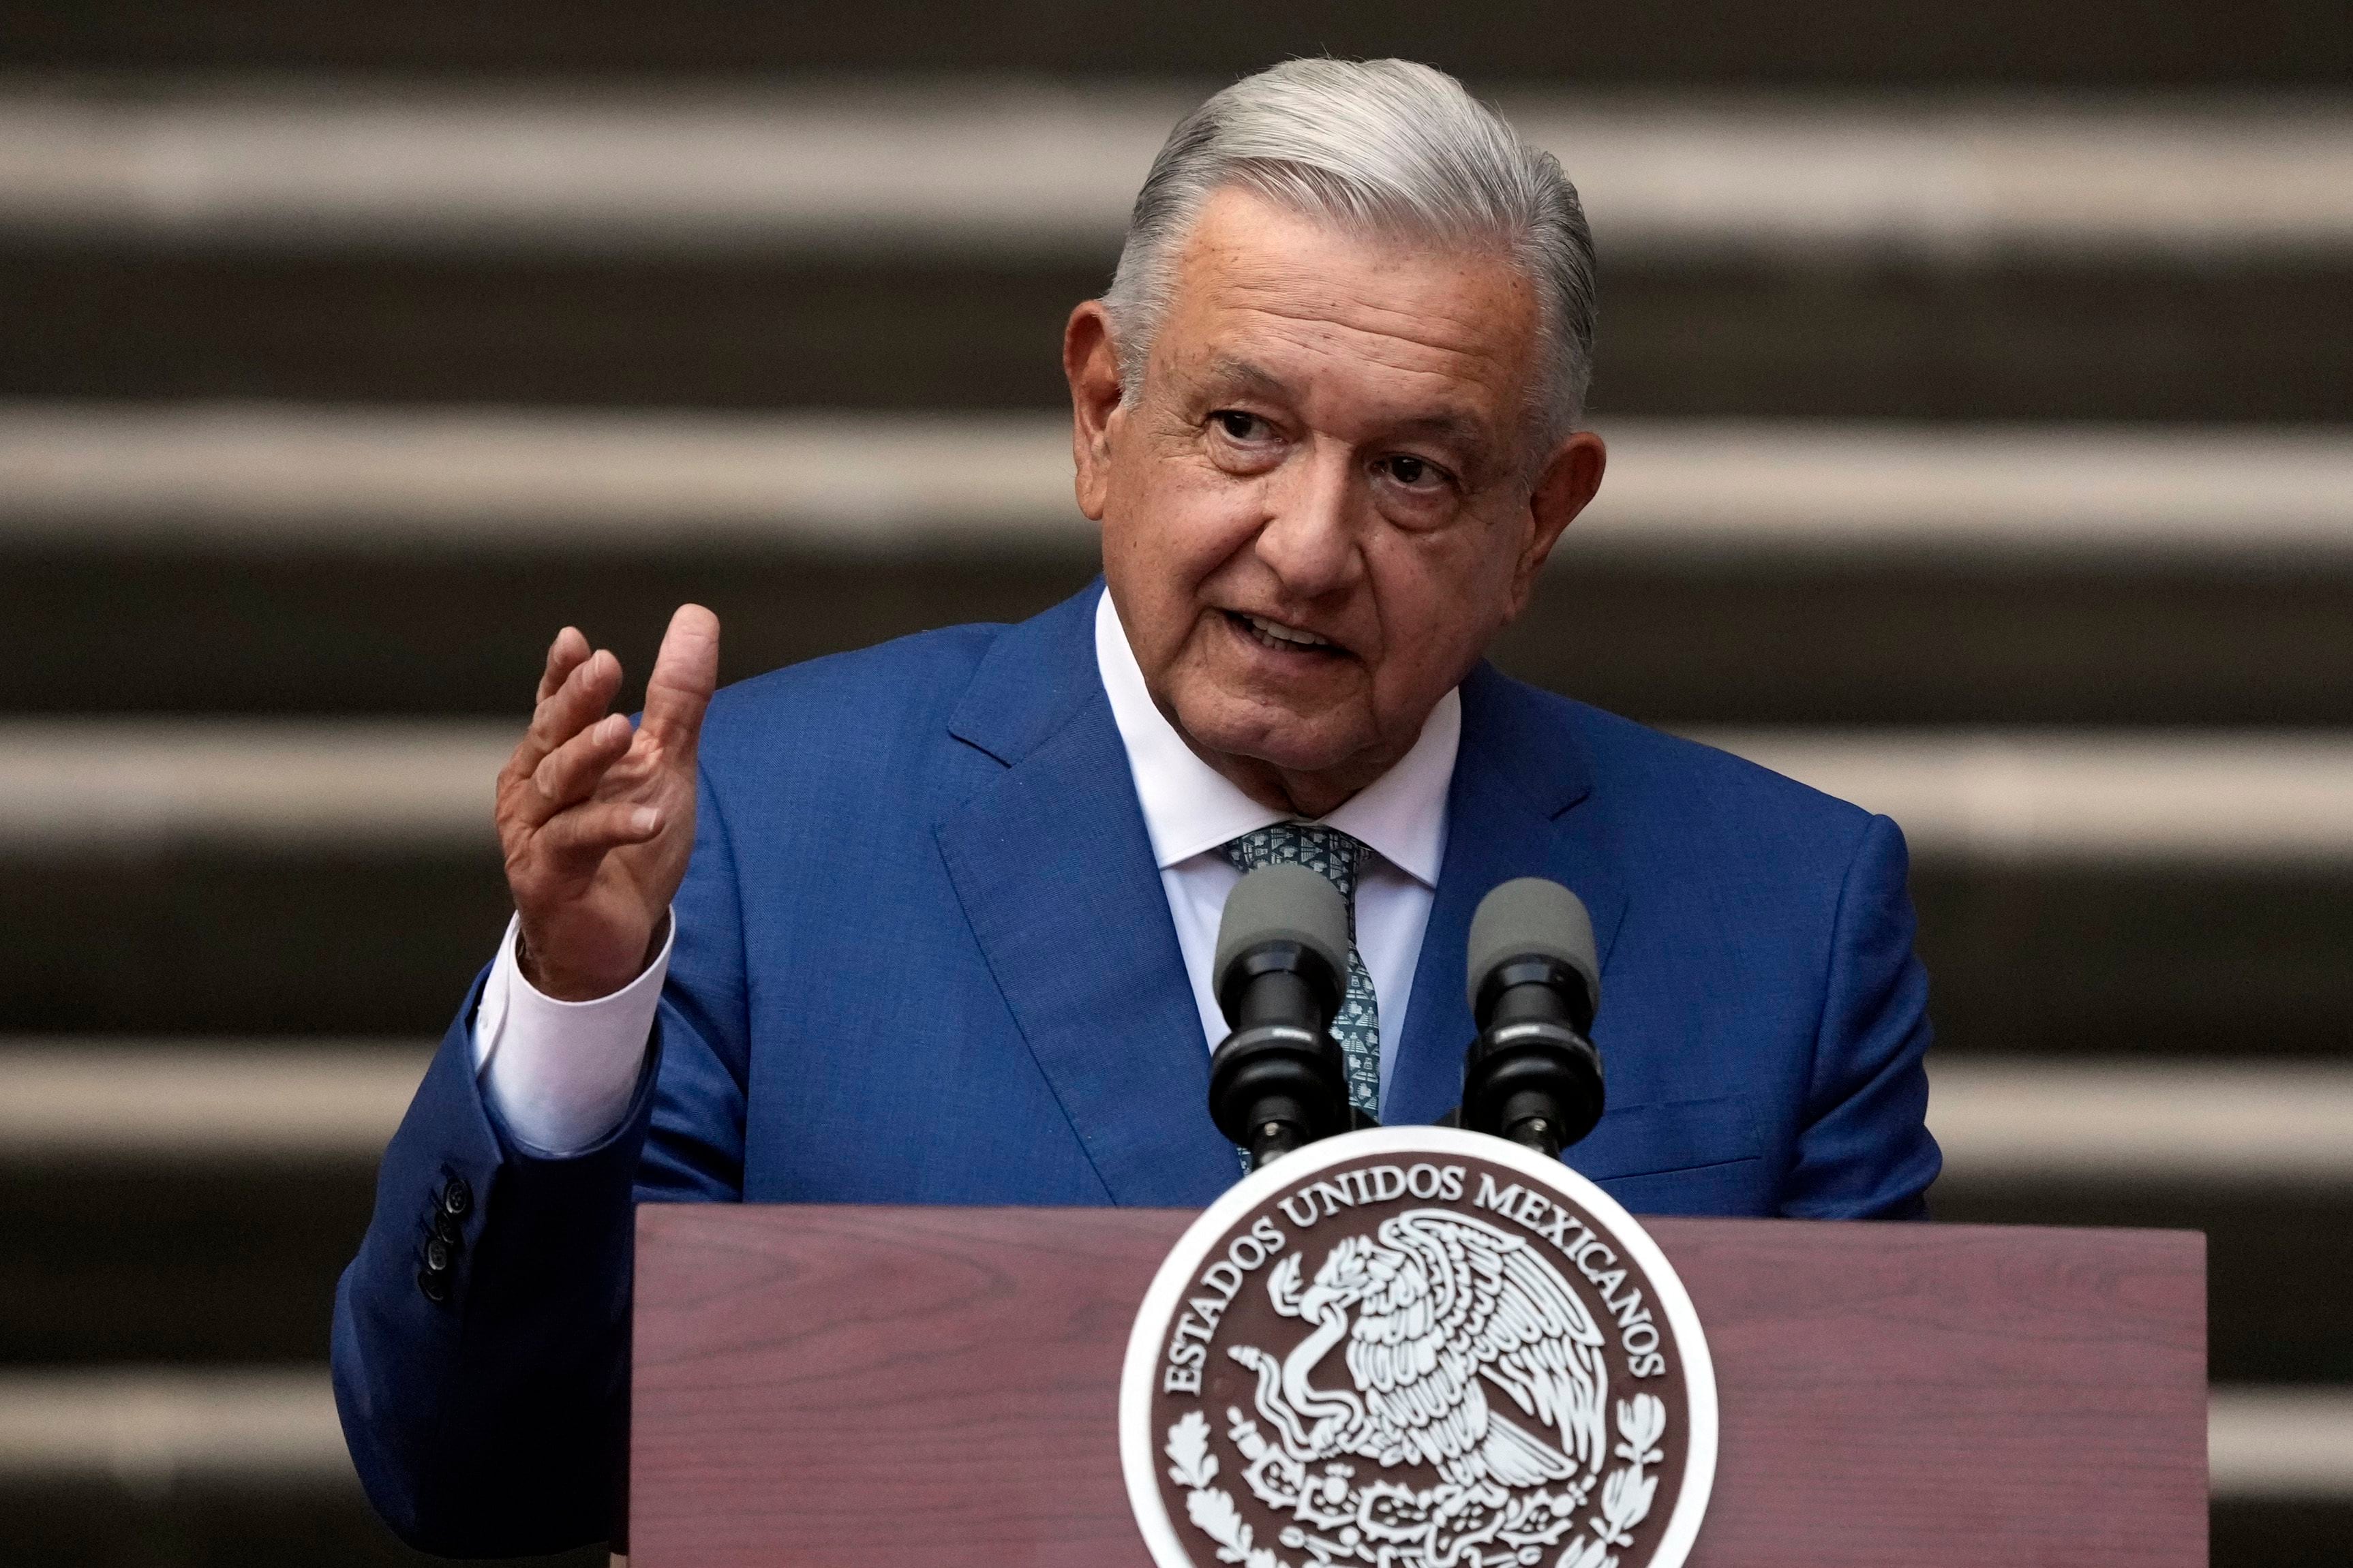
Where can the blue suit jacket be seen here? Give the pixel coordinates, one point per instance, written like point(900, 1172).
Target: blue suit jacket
point(923, 956)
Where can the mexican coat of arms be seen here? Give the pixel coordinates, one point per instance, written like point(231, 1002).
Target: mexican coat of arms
point(1417, 1348)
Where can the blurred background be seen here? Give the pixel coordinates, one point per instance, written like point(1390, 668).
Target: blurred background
point(1977, 374)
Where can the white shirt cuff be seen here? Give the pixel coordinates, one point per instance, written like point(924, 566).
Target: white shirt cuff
point(561, 1074)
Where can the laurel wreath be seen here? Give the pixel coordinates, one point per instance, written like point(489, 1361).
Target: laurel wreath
point(1211, 1508)
point(1627, 1494)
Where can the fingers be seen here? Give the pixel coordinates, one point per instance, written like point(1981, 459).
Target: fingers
point(575, 840)
point(579, 699)
point(565, 654)
point(685, 673)
point(571, 772)
point(571, 743)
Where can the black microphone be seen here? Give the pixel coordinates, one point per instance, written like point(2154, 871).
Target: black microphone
point(1532, 1076)
point(1279, 1080)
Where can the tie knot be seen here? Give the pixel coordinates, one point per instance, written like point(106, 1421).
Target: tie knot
point(1327, 851)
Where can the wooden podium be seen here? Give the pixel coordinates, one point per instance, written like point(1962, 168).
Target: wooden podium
point(915, 1387)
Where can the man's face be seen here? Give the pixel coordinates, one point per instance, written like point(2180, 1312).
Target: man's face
point(1322, 506)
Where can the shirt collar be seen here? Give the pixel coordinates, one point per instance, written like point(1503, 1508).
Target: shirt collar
point(1190, 808)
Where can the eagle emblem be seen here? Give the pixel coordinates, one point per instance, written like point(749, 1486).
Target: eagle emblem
point(1436, 1311)
point(1416, 1348)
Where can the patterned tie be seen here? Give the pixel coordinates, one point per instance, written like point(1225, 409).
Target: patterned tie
point(1337, 857)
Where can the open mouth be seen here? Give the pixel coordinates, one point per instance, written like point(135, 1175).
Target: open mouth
point(1282, 638)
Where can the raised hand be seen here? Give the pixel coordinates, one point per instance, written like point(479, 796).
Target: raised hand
point(596, 819)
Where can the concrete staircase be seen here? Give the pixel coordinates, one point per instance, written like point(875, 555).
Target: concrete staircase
point(1977, 380)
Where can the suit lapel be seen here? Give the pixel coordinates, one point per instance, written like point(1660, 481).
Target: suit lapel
point(1518, 806)
point(1054, 869)
point(1053, 866)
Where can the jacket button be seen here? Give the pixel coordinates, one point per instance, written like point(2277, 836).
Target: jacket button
point(456, 1198)
point(436, 1285)
point(437, 1257)
point(448, 1226)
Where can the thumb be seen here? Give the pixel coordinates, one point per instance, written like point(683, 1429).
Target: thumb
point(685, 673)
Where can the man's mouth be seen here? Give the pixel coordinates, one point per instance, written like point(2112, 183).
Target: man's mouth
point(1275, 635)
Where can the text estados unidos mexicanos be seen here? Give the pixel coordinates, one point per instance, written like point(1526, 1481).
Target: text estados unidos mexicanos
point(1246, 1254)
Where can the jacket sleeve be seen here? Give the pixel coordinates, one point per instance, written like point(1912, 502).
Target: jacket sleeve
point(1864, 1151)
point(487, 1406)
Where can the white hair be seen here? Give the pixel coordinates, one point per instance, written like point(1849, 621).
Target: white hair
point(1386, 147)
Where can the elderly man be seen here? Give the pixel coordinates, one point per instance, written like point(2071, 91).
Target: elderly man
point(932, 922)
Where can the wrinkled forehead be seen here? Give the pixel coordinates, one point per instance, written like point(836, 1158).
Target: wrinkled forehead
point(1278, 302)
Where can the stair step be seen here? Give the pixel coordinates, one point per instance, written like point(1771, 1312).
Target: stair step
point(270, 1425)
point(917, 242)
point(246, 1465)
point(2001, 1122)
point(2099, 337)
point(966, 166)
point(213, 1259)
point(1682, 642)
point(2236, 800)
point(2281, 1443)
point(101, 1521)
point(1935, 43)
point(2006, 1123)
point(2135, 797)
point(139, 1102)
point(2079, 895)
point(311, 560)
point(232, 476)
point(2049, 958)
point(278, 1426)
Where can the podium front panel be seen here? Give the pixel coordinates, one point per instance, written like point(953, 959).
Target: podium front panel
point(902, 1386)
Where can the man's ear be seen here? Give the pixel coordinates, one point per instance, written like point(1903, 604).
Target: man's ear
point(1090, 364)
point(1571, 476)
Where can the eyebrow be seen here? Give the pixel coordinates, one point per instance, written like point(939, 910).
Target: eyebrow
point(1239, 375)
point(1227, 372)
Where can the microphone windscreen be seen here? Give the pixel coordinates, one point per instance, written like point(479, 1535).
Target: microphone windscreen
point(1526, 917)
point(1283, 903)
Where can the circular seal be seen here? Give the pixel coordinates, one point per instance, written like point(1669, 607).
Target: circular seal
point(1417, 1348)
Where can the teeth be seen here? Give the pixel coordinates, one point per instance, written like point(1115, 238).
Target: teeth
point(1280, 633)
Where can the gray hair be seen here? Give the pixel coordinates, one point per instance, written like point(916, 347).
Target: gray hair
point(1386, 147)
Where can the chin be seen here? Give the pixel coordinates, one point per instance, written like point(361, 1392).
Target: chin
point(1277, 735)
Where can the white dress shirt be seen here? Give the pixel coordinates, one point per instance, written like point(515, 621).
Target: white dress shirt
point(561, 1074)
point(1191, 809)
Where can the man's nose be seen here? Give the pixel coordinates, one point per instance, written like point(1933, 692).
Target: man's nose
point(1308, 540)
